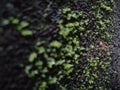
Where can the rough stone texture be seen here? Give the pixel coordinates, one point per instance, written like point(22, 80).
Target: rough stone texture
point(13, 51)
point(116, 49)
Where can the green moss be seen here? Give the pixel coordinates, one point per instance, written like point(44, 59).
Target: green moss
point(76, 51)
point(18, 25)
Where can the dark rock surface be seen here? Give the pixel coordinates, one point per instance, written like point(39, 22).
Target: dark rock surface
point(116, 49)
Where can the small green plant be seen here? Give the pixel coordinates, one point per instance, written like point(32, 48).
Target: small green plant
point(19, 25)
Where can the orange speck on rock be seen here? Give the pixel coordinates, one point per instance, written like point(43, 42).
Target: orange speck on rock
point(102, 45)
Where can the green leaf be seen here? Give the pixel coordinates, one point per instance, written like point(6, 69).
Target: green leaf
point(67, 66)
point(60, 62)
point(43, 85)
point(90, 81)
point(65, 31)
point(39, 64)
point(27, 69)
point(24, 24)
point(55, 44)
point(40, 43)
point(51, 62)
point(41, 50)
point(32, 57)
point(15, 21)
point(33, 73)
point(52, 80)
point(45, 70)
point(66, 10)
point(26, 33)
